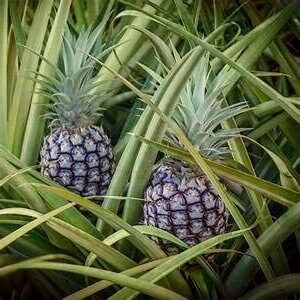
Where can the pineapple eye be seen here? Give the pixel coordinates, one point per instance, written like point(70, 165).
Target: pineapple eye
point(65, 161)
point(182, 231)
point(90, 145)
point(65, 146)
point(91, 189)
point(178, 202)
point(65, 176)
point(53, 169)
point(101, 150)
point(211, 219)
point(105, 165)
point(78, 183)
point(180, 218)
point(94, 175)
point(54, 152)
point(196, 210)
point(79, 169)
point(192, 195)
point(209, 200)
point(78, 153)
point(76, 139)
point(164, 222)
point(96, 136)
point(169, 190)
point(92, 160)
point(196, 226)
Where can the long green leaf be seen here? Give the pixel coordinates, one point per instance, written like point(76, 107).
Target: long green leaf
point(24, 85)
point(4, 242)
point(246, 268)
point(145, 287)
point(3, 71)
point(178, 260)
point(98, 286)
point(279, 287)
point(77, 236)
point(35, 124)
point(130, 42)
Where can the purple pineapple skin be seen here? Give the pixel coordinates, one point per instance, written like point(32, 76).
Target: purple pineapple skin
point(79, 159)
point(183, 202)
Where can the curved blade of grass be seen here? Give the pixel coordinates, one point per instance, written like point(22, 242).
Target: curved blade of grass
point(79, 13)
point(160, 47)
point(103, 284)
point(148, 230)
point(145, 287)
point(36, 123)
point(286, 177)
point(186, 17)
point(23, 89)
point(3, 71)
point(32, 244)
point(265, 126)
point(106, 253)
point(130, 41)
point(7, 240)
point(279, 287)
point(27, 193)
point(178, 260)
point(121, 234)
point(246, 268)
point(19, 32)
point(9, 177)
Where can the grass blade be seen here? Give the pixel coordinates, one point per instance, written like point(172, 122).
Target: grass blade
point(3, 70)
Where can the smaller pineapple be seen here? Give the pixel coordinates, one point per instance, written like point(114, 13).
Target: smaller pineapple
point(77, 154)
point(179, 197)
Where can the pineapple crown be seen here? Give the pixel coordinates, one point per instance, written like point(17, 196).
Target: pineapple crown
point(201, 111)
point(73, 91)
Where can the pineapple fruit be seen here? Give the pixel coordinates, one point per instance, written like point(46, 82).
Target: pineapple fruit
point(179, 197)
point(77, 154)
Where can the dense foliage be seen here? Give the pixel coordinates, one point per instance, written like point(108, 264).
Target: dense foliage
point(135, 82)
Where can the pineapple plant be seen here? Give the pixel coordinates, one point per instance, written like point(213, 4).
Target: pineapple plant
point(77, 154)
point(179, 197)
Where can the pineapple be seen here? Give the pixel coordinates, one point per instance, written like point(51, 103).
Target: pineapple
point(179, 197)
point(77, 154)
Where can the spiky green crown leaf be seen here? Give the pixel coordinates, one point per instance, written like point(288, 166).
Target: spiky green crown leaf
point(201, 112)
point(73, 90)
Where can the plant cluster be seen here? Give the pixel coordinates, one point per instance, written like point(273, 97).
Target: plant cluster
point(149, 149)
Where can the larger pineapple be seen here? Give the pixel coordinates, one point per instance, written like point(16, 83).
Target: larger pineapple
point(77, 154)
point(179, 197)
